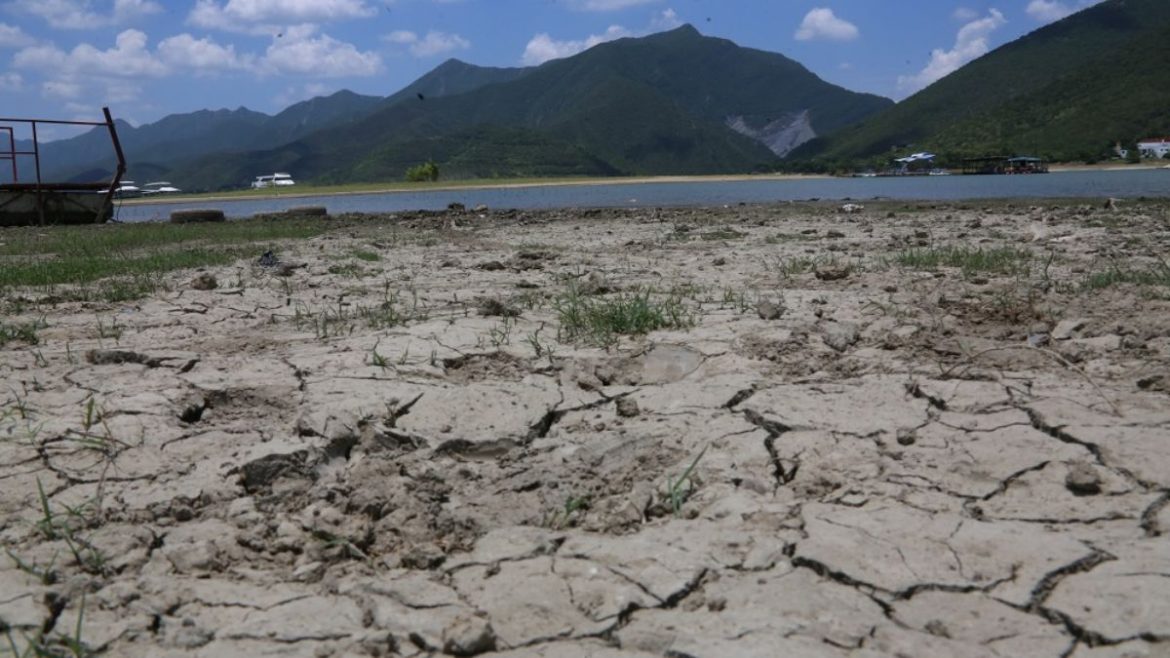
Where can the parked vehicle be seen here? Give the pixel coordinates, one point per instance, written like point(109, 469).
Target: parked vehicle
point(273, 180)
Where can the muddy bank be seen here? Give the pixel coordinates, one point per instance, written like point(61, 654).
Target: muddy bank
point(864, 431)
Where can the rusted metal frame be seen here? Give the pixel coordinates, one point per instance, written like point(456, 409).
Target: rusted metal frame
point(11, 150)
point(121, 162)
point(36, 153)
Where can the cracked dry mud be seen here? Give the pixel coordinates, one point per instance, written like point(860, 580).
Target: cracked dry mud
point(884, 464)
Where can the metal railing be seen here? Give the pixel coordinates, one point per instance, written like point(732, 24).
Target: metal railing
point(39, 186)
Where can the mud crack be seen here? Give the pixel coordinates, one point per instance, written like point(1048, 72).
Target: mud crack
point(775, 429)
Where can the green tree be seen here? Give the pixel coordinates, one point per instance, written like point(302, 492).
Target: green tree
point(426, 172)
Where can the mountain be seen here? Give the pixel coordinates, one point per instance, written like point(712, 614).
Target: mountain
point(455, 77)
point(153, 149)
point(1067, 91)
point(676, 102)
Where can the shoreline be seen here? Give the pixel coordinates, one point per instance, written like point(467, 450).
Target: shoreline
point(639, 180)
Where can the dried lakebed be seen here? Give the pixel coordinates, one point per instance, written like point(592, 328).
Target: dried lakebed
point(748, 431)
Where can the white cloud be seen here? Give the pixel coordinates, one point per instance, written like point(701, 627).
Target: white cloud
point(1047, 11)
point(12, 36)
point(434, 43)
point(542, 47)
point(129, 58)
point(61, 89)
point(201, 55)
point(128, 10)
point(971, 42)
point(822, 23)
point(260, 15)
point(79, 15)
point(300, 53)
point(11, 82)
point(667, 19)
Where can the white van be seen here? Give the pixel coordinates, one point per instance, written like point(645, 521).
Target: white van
point(272, 180)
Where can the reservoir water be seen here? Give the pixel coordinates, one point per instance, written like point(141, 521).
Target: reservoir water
point(1074, 184)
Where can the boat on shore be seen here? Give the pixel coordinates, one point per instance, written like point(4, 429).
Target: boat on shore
point(278, 179)
point(159, 187)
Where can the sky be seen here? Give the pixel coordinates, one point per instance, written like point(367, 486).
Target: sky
point(145, 59)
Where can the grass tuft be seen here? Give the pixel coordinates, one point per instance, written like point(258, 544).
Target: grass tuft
point(1001, 260)
point(601, 321)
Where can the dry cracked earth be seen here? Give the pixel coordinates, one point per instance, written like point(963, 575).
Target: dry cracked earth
point(389, 443)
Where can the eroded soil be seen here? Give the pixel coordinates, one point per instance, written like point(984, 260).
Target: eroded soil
point(385, 444)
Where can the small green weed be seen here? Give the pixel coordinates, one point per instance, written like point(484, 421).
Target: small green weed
point(1001, 260)
point(602, 320)
point(1157, 275)
point(24, 332)
point(679, 490)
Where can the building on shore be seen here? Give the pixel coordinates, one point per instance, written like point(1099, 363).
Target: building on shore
point(1154, 147)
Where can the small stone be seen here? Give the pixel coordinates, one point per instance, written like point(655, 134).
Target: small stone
point(490, 266)
point(468, 636)
point(1066, 328)
point(769, 310)
point(627, 407)
point(1038, 340)
point(906, 438)
point(204, 281)
point(835, 235)
point(1083, 480)
point(851, 208)
point(719, 262)
point(840, 337)
point(831, 272)
point(1154, 383)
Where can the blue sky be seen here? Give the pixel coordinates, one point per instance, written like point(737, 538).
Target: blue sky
point(149, 58)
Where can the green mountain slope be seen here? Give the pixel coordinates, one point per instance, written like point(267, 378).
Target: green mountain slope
point(1065, 91)
point(152, 149)
point(656, 105)
point(454, 77)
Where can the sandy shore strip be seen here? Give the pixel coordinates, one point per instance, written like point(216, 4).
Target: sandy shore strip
point(917, 429)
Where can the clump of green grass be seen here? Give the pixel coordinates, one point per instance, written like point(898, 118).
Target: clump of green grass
point(24, 332)
point(1000, 260)
point(1158, 275)
point(368, 256)
point(602, 321)
point(129, 259)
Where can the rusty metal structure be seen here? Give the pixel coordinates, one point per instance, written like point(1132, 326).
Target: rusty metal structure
point(40, 202)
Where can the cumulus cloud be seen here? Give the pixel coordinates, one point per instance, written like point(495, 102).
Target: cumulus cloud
point(1047, 11)
point(12, 36)
point(128, 58)
point(972, 41)
point(822, 23)
point(79, 14)
point(201, 55)
point(542, 47)
point(665, 20)
point(11, 81)
point(434, 43)
point(259, 15)
point(302, 53)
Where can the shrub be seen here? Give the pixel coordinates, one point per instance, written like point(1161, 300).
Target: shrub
point(426, 172)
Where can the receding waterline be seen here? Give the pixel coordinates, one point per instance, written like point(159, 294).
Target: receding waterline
point(1074, 184)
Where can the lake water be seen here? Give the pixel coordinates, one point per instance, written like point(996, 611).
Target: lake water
point(1075, 184)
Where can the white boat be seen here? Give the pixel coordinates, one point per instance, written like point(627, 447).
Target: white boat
point(273, 180)
point(125, 190)
point(160, 187)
